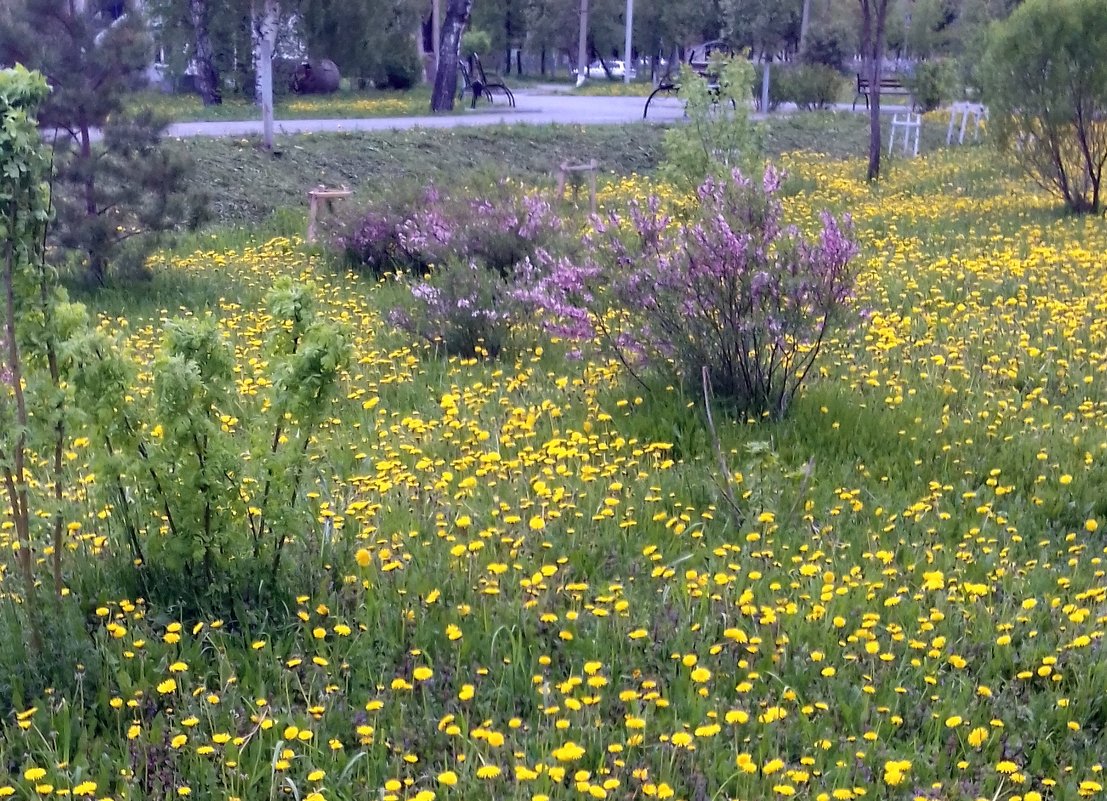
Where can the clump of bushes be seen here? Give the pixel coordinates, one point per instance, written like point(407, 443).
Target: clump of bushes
point(932, 83)
point(463, 309)
point(464, 253)
point(731, 301)
point(400, 68)
point(809, 86)
point(498, 229)
point(1046, 87)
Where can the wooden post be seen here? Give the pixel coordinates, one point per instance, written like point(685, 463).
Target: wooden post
point(317, 195)
point(563, 175)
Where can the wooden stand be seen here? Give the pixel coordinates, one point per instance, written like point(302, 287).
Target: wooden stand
point(328, 196)
point(563, 175)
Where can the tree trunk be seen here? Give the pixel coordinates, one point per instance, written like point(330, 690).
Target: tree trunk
point(582, 45)
point(15, 476)
point(436, 33)
point(805, 22)
point(264, 29)
point(766, 77)
point(207, 77)
point(874, 15)
point(445, 78)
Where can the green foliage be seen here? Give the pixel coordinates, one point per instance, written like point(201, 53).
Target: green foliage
point(463, 309)
point(809, 86)
point(116, 196)
point(400, 67)
point(476, 41)
point(369, 41)
point(932, 83)
point(763, 24)
point(208, 485)
point(720, 135)
point(39, 325)
point(1046, 86)
point(831, 44)
point(933, 27)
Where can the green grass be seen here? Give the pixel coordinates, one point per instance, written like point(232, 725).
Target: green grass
point(247, 184)
point(341, 105)
point(526, 565)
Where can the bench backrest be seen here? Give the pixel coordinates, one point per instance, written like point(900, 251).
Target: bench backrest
point(463, 69)
point(893, 82)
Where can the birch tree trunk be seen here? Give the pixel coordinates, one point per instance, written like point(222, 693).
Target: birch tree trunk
point(805, 22)
point(582, 44)
point(445, 77)
point(264, 29)
point(207, 77)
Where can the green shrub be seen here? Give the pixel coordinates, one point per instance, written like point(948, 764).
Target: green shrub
point(400, 68)
point(206, 482)
point(463, 309)
point(476, 41)
point(1046, 85)
point(720, 135)
point(831, 47)
point(809, 86)
point(932, 83)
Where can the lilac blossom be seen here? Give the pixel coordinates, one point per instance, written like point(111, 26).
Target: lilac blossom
point(732, 290)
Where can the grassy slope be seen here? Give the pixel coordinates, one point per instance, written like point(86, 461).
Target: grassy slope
point(248, 185)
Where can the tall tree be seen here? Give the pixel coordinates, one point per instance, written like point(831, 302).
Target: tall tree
point(265, 25)
point(445, 78)
point(582, 44)
point(114, 195)
point(874, 19)
point(368, 39)
point(207, 76)
point(764, 25)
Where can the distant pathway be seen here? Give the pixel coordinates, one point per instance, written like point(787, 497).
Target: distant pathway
point(536, 105)
point(532, 108)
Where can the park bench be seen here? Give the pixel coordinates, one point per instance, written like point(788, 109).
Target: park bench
point(889, 85)
point(699, 62)
point(478, 83)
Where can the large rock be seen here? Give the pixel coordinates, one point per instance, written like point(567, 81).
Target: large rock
point(316, 78)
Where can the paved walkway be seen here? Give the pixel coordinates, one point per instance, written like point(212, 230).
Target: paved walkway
point(536, 105)
point(532, 108)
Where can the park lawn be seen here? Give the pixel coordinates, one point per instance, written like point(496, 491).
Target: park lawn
point(247, 186)
point(522, 582)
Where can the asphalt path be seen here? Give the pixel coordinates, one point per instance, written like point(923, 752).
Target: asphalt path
point(532, 108)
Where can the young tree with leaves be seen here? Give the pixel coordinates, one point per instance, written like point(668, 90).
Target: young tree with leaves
point(1046, 87)
point(37, 325)
point(117, 187)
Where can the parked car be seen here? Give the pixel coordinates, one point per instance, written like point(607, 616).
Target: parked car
point(617, 70)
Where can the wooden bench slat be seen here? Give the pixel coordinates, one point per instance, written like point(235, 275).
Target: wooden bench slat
point(890, 85)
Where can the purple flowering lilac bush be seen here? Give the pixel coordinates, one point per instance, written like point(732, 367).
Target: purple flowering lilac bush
point(731, 292)
point(459, 257)
point(463, 309)
point(498, 227)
